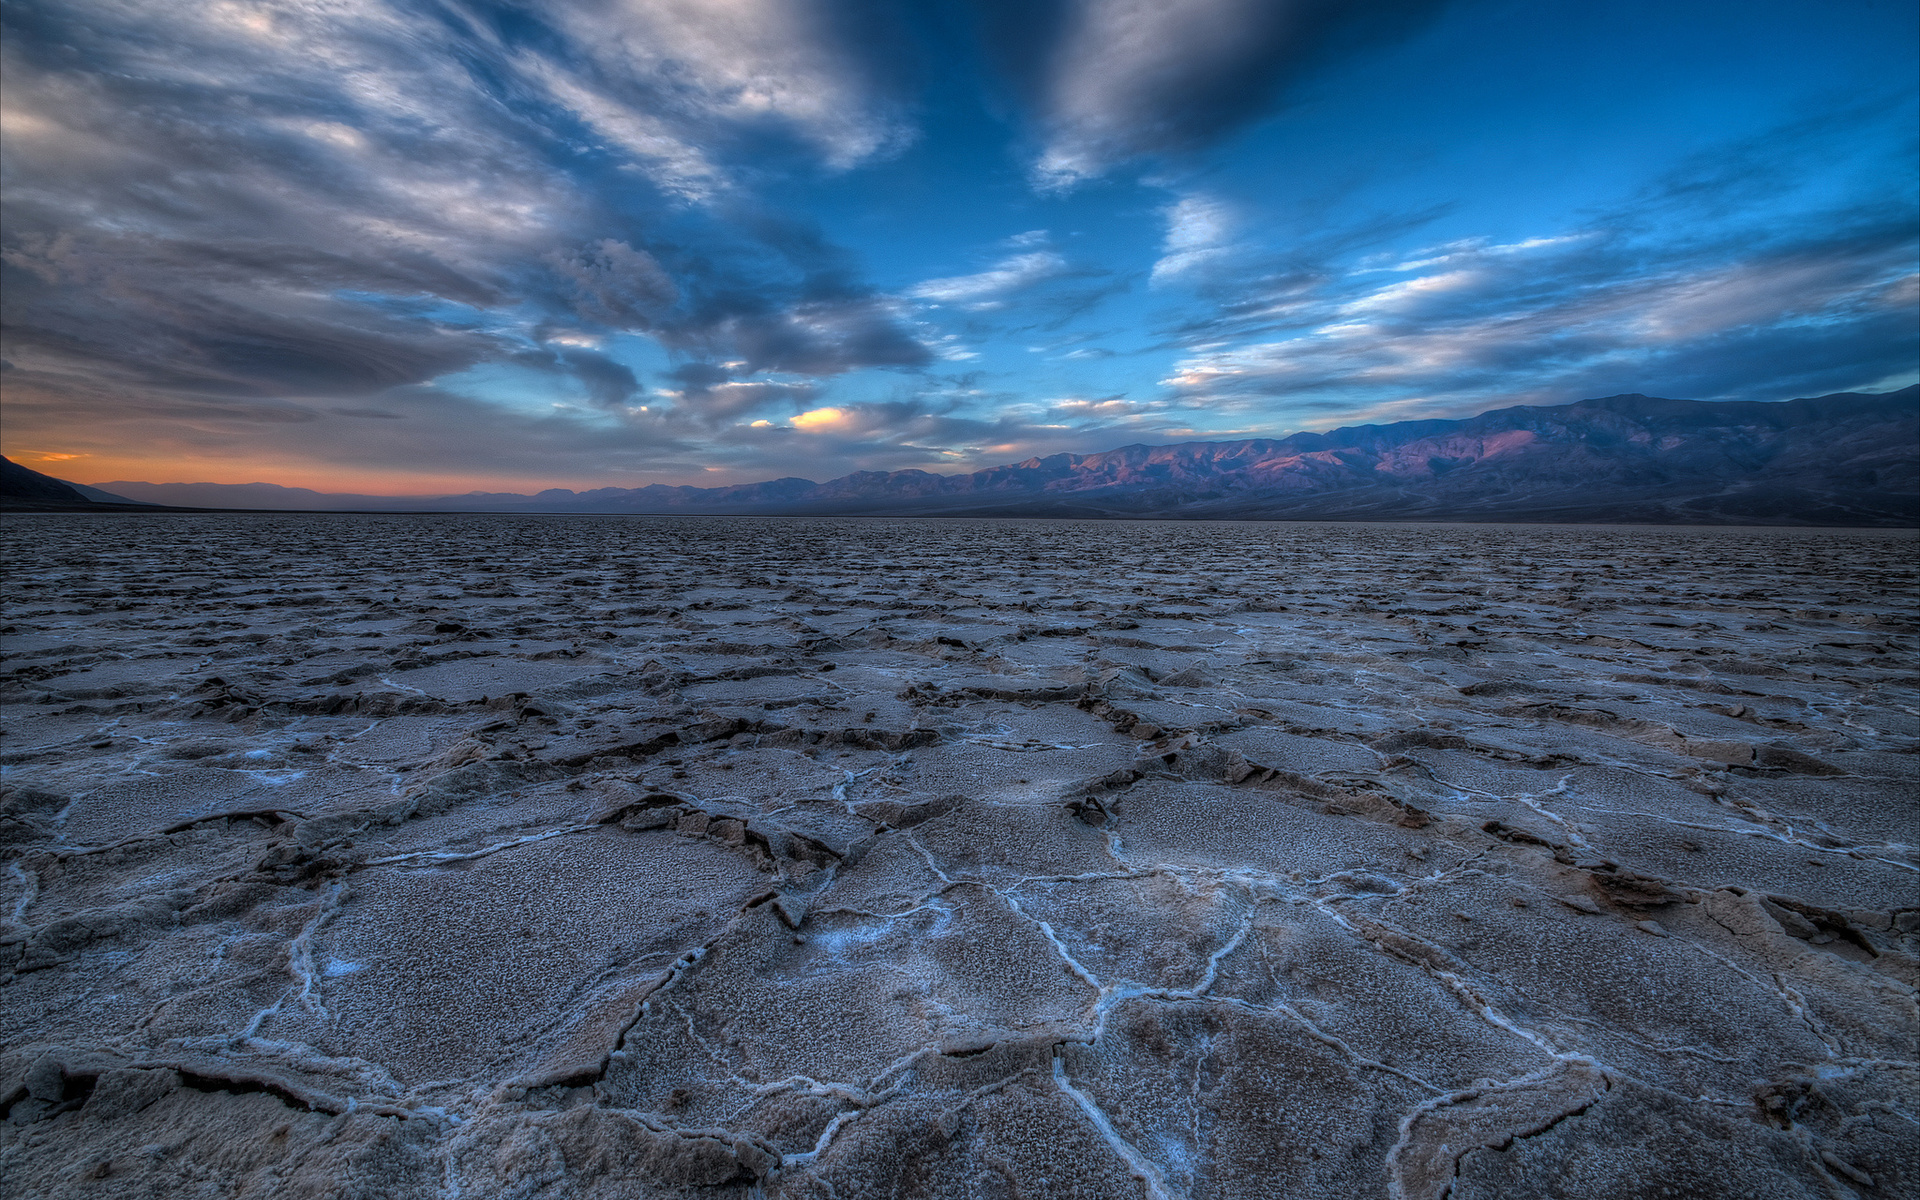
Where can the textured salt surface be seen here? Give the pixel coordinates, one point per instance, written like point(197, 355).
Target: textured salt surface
point(554, 857)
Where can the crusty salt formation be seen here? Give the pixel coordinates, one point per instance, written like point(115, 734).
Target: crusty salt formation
point(575, 857)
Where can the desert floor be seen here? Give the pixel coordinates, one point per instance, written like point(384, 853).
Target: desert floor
point(441, 856)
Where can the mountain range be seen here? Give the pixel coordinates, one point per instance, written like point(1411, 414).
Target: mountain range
point(1845, 459)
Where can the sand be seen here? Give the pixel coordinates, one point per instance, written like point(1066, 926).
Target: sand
point(442, 856)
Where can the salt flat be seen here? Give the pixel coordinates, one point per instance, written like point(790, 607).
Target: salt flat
point(439, 856)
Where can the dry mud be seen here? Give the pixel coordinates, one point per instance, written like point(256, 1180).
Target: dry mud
point(558, 857)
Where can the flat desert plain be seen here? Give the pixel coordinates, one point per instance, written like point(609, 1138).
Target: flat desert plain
point(542, 857)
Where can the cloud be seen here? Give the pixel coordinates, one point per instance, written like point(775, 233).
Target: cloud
point(670, 77)
point(943, 430)
point(728, 401)
point(609, 384)
point(992, 287)
point(447, 441)
point(442, 434)
point(616, 285)
point(403, 235)
point(279, 201)
point(1032, 278)
point(822, 337)
point(823, 419)
point(712, 396)
point(1199, 232)
point(1109, 409)
point(1556, 319)
point(1733, 178)
point(1115, 80)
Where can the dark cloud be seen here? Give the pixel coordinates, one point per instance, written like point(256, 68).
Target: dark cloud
point(608, 384)
point(171, 332)
point(711, 394)
point(698, 377)
point(615, 285)
point(728, 402)
point(825, 338)
point(1109, 81)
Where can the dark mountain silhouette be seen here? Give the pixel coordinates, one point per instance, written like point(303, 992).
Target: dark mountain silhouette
point(23, 489)
point(1845, 459)
point(20, 484)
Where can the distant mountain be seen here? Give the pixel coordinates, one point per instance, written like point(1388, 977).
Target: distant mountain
point(258, 496)
point(1846, 459)
point(99, 497)
point(769, 497)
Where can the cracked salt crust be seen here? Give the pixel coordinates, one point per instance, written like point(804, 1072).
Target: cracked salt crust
point(553, 857)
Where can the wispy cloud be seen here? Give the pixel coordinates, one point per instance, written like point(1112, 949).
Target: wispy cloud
point(992, 287)
point(1558, 318)
point(1200, 230)
point(674, 83)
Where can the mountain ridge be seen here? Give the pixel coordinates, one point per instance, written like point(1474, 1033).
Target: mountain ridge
point(1849, 458)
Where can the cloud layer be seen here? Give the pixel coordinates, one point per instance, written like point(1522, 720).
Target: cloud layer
point(600, 241)
point(1598, 311)
point(282, 202)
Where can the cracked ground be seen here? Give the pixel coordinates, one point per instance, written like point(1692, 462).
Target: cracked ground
point(362, 856)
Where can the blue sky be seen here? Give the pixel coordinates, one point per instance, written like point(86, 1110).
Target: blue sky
point(419, 247)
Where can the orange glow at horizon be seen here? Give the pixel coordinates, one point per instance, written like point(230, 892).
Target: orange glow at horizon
point(101, 469)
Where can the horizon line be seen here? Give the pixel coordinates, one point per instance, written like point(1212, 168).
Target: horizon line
point(1035, 458)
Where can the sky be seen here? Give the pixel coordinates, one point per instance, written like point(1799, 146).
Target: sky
point(433, 246)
